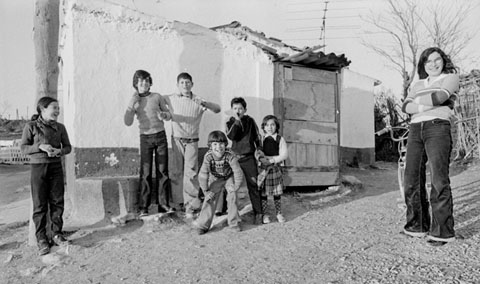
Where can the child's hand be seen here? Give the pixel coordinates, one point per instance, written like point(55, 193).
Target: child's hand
point(135, 99)
point(259, 154)
point(264, 161)
point(46, 148)
point(163, 115)
point(199, 101)
point(230, 113)
point(235, 115)
point(55, 152)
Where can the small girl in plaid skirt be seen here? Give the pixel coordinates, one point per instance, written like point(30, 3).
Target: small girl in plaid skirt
point(270, 178)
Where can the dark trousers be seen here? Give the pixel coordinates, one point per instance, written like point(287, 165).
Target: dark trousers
point(48, 191)
point(160, 192)
point(432, 138)
point(250, 171)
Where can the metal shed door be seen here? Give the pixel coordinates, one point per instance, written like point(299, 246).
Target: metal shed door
point(306, 101)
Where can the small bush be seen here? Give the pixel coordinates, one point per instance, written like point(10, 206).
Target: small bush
point(387, 112)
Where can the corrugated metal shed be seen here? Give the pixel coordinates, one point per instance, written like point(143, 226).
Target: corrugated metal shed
point(279, 51)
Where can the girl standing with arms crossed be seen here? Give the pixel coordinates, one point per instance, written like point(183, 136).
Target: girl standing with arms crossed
point(430, 102)
point(45, 140)
point(270, 178)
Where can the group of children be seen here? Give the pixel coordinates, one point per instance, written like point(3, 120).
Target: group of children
point(252, 157)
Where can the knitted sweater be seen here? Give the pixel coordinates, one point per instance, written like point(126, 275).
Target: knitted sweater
point(147, 109)
point(448, 82)
point(186, 115)
point(223, 168)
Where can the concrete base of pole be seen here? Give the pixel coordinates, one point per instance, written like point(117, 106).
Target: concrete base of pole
point(100, 200)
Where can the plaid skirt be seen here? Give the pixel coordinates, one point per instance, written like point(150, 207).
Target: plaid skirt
point(270, 180)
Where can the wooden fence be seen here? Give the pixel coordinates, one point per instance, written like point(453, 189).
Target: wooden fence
point(11, 154)
point(467, 111)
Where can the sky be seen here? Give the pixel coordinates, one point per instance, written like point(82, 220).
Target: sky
point(295, 22)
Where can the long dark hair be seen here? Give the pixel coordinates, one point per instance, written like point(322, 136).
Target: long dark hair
point(42, 103)
point(448, 66)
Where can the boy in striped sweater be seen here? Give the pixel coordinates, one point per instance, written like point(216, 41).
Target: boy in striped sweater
point(187, 110)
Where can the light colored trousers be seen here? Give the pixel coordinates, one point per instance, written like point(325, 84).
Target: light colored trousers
point(184, 172)
point(204, 220)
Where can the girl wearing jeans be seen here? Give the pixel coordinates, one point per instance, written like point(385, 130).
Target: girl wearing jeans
point(430, 102)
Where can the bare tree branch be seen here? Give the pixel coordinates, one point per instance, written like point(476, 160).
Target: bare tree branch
point(413, 26)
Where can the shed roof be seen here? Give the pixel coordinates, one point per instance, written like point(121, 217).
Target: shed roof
point(278, 51)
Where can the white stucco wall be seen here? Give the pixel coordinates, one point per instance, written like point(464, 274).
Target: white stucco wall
point(356, 110)
point(104, 44)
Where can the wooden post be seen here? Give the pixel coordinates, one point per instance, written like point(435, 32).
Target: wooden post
point(477, 114)
point(45, 38)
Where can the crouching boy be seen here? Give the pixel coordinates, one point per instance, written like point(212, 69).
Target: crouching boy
point(220, 170)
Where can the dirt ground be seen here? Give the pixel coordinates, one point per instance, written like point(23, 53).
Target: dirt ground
point(14, 183)
point(348, 234)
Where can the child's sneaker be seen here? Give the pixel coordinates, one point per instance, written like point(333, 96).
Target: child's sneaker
point(60, 240)
point(165, 209)
point(235, 228)
point(266, 219)
point(280, 218)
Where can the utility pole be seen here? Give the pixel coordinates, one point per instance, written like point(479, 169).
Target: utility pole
point(45, 37)
point(322, 30)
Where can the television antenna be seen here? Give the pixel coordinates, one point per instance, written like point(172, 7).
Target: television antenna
point(322, 29)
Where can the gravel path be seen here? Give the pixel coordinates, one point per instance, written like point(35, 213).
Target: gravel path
point(348, 234)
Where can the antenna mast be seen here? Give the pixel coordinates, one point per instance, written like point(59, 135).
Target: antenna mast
point(322, 29)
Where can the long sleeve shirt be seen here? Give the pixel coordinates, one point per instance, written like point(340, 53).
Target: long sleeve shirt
point(186, 115)
point(223, 168)
point(147, 109)
point(244, 135)
point(447, 82)
point(38, 132)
